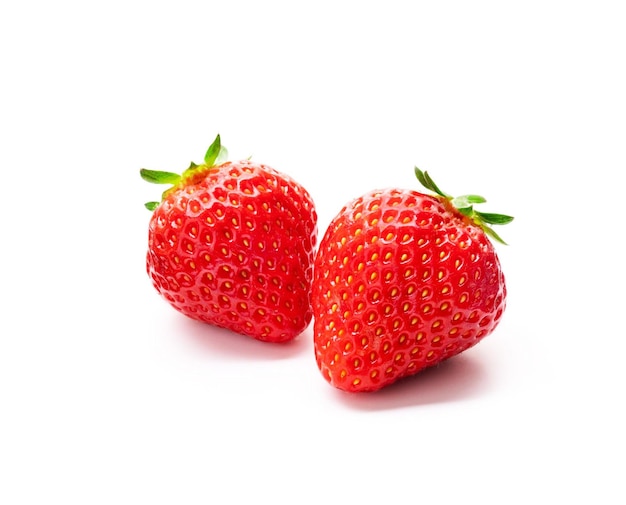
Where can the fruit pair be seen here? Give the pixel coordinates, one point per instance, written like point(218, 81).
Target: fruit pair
point(402, 280)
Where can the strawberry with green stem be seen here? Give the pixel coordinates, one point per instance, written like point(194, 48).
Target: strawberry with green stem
point(403, 281)
point(231, 244)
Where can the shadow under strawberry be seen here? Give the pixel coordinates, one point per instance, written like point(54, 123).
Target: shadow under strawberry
point(456, 379)
point(224, 343)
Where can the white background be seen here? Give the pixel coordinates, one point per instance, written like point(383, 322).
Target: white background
point(107, 395)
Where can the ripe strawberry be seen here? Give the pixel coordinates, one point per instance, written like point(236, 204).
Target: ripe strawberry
point(232, 243)
point(403, 281)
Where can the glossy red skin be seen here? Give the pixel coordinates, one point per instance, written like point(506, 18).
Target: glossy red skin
point(234, 248)
point(402, 282)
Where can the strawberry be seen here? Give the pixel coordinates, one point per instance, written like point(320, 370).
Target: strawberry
point(232, 244)
point(404, 280)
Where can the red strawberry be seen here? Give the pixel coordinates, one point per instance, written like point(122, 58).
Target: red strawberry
point(232, 243)
point(403, 281)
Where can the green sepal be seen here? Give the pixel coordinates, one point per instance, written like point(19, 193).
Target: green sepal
point(461, 202)
point(465, 205)
point(428, 183)
point(158, 177)
point(216, 153)
point(490, 218)
point(491, 232)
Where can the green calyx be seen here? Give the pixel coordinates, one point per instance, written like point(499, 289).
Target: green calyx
point(465, 205)
point(216, 155)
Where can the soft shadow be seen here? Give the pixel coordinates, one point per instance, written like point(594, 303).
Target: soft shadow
point(219, 341)
point(456, 379)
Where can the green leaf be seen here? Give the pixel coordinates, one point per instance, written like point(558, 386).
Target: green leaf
point(428, 183)
point(151, 205)
point(420, 177)
point(213, 152)
point(158, 177)
point(222, 156)
point(490, 218)
point(489, 231)
point(465, 201)
point(475, 198)
point(468, 211)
